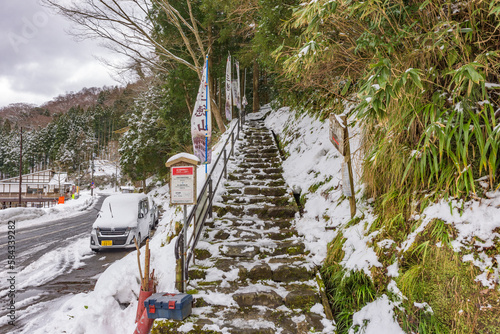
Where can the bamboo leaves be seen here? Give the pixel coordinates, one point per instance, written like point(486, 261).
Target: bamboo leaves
point(451, 139)
point(382, 87)
point(468, 77)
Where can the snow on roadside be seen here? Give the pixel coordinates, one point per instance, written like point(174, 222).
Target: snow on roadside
point(52, 264)
point(29, 217)
point(111, 306)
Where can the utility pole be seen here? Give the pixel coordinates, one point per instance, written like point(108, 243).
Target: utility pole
point(116, 175)
point(79, 175)
point(21, 168)
point(92, 185)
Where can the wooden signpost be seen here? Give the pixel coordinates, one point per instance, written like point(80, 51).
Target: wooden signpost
point(182, 192)
point(339, 136)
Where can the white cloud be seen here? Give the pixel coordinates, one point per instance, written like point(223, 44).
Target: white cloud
point(10, 95)
point(40, 60)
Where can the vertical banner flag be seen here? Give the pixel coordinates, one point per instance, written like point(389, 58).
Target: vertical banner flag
point(201, 121)
point(229, 102)
point(239, 88)
point(244, 101)
point(236, 97)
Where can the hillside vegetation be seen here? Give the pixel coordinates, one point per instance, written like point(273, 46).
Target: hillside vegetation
point(425, 78)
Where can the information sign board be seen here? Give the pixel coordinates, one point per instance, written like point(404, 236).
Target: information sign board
point(182, 185)
point(337, 131)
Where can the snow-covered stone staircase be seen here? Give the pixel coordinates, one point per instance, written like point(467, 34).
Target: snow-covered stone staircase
point(252, 274)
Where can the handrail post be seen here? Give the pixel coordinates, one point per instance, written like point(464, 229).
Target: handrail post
point(225, 163)
point(239, 126)
point(210, 197)
point(232, 144)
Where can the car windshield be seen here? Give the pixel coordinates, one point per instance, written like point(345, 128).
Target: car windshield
point(119, 208)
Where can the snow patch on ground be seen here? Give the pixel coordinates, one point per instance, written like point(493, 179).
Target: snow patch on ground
point(376, 318)
point(478, 226)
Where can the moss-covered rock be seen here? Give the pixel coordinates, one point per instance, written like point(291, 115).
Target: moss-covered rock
point(302, 299)
point(197, 274)
point(262, 298)
point(201, 254)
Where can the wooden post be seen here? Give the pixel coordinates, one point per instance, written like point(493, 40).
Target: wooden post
point(347, 159)
point(139, 262)
point(146, 267)
point(178, 274)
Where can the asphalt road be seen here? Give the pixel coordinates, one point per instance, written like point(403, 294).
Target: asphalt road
point(61, 236)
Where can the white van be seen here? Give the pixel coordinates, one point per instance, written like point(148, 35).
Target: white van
point(122, 218)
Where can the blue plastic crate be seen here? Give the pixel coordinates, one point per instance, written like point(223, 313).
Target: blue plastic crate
point(169, 306)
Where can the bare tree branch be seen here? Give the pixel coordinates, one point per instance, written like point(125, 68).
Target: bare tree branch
point(128, 28)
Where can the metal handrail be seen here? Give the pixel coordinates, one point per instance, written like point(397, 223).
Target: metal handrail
point(203, 207)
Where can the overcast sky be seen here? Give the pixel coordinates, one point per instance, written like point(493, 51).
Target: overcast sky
point(39, 60)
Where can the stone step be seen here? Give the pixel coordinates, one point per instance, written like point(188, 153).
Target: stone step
point(251, 190)
point(261, 165)
point(228, 222)
point(278, 201)
point(249, 247)
point(257, 132)
point(256, 183)
point(252, 321)
point(263, 142)
point(266, 191)
point(227, 264)
point(296, 299)
point(262, 160)
point(262, 212)
point(247, 320)
point(259, 137)
point(244, 175)
point(254, 170)
point(244, 233)
point(265, 155)
point(262, 150)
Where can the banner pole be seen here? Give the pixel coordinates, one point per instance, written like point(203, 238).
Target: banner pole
point(206, 119)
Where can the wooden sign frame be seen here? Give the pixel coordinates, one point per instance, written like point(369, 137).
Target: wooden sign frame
point(183, 181)
point(337, 132)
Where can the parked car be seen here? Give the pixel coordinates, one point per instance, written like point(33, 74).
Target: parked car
point(122, 219)
point(154, 212)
